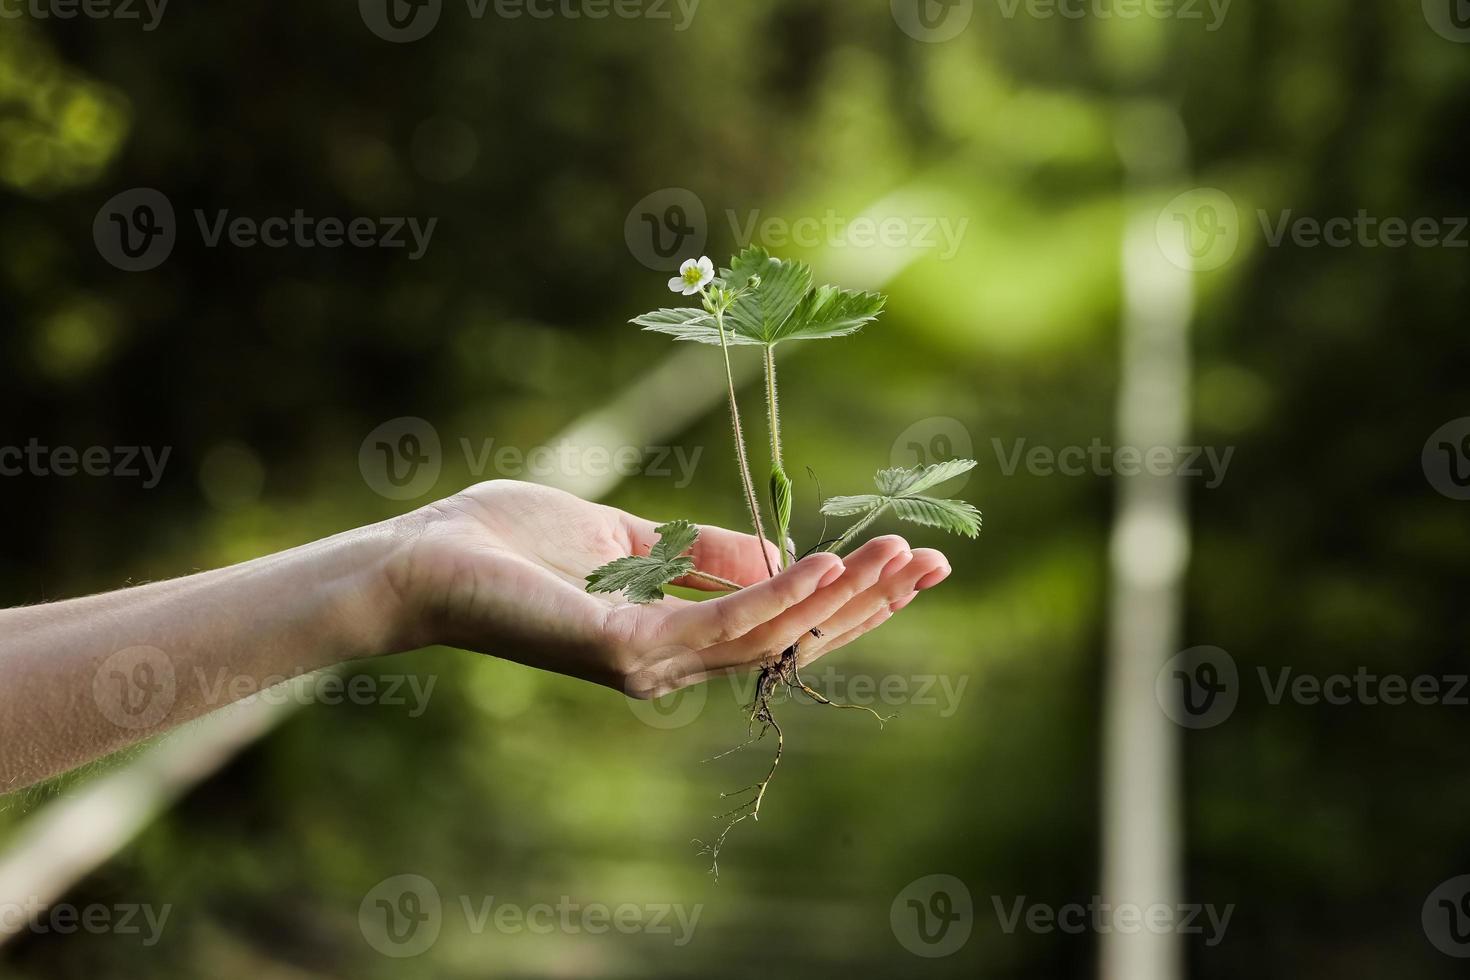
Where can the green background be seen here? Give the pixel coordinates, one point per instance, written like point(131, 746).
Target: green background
point(1325, 548)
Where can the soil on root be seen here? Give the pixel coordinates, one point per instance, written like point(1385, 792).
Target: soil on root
point(784, 673)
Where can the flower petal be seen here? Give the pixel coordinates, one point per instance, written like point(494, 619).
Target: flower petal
point(688, 264)
point(676, 284)
point(707, 267)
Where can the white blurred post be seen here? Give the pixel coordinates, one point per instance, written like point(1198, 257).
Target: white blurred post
point(1149, 552)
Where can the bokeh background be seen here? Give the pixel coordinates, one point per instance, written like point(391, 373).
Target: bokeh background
point(1056, 143)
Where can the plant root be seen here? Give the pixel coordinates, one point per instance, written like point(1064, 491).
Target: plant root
point(783, 673)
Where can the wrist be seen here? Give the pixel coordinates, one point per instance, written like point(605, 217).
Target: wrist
point(367, 591)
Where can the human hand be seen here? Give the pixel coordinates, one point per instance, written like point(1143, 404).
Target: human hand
point(501, 569)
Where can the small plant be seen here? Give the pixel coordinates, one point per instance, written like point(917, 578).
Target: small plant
point(764, 302)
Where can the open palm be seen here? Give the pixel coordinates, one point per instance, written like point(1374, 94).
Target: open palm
point(501, 568)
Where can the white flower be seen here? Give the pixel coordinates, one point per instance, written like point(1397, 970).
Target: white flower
point(693, 276)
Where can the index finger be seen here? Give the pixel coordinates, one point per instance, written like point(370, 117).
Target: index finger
point(704, 624)
point(717, 551)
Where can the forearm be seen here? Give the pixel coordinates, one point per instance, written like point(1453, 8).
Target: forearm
point(83, 678)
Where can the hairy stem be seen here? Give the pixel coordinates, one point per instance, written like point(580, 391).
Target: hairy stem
point(723, 583)
point(773, 407)
point(746, 482)
point(856, 529)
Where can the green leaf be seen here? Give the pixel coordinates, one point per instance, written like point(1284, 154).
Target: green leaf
point(902, 489)
point(641, 578)
point(895, 481)
point(954, 516)
point(828, 311)
point(781, 502)
point(937, 473)
point(674, 538)
point(761, 312)
point(783, 306)
point(690, 324)
point(917, 479)
point(851, 506)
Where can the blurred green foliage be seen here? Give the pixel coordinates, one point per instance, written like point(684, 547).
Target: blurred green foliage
point(263, 370)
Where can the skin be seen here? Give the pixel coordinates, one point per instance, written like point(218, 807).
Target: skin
point(498, 569)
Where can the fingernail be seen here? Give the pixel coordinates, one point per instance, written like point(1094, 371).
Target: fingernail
point(832, 575)
point(898, 604)
point(932, 579)
point(894, 564)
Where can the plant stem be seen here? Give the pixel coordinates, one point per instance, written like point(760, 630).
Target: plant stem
point(723, 583)
point(773, 407)
point(749, 485)
point(857, 529)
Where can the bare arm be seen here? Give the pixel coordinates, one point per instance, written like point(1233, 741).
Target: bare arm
point(499, 569)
